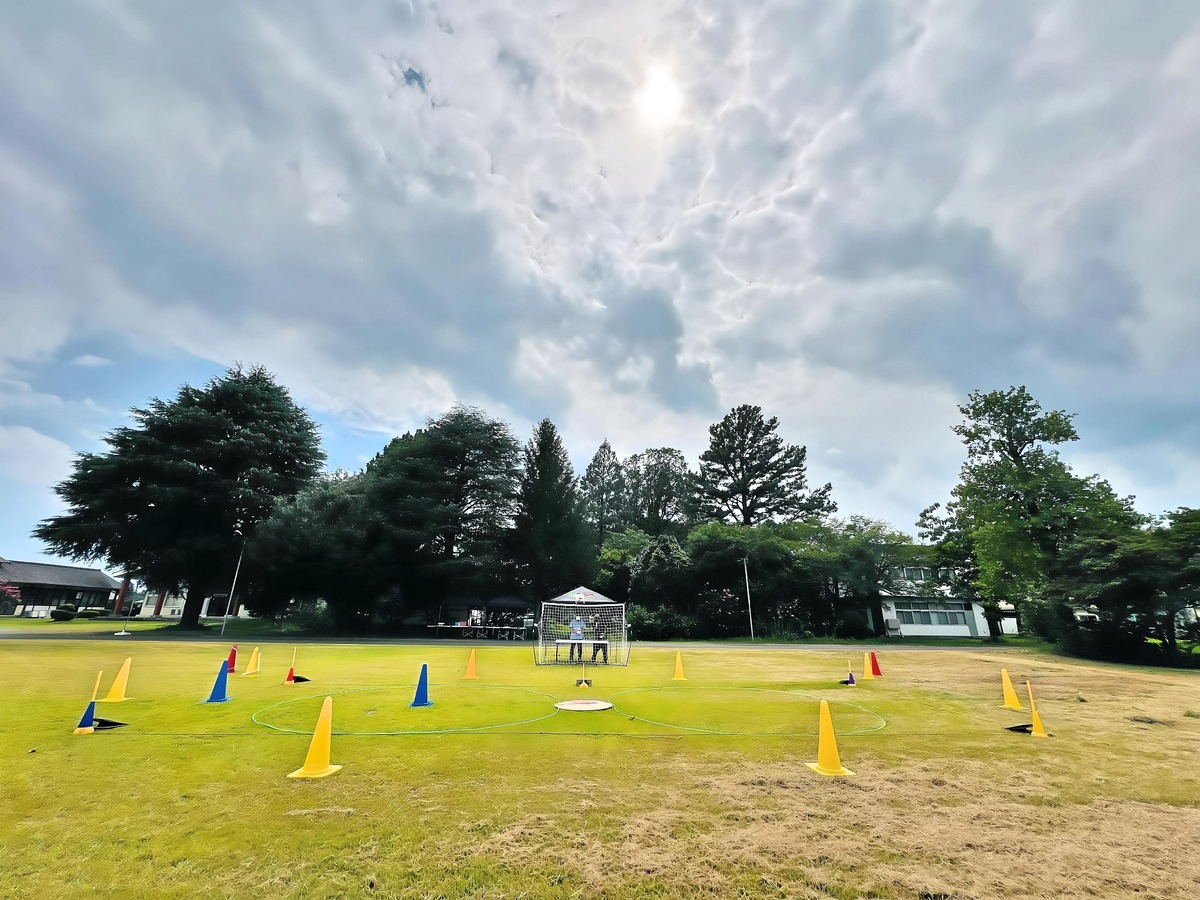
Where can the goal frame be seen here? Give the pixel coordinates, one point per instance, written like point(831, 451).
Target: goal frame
point(605, 640)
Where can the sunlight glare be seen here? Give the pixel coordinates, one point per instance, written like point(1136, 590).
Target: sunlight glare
point(660, 100)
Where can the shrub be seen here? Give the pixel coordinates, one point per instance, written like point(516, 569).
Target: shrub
point(90, 613)
point(313, 618)
point(659, 624)
point(62, 614)
point(852, 624)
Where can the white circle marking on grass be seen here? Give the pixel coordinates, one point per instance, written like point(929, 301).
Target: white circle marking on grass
point(583, 705)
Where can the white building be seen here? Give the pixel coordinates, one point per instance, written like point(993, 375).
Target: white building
point(911, 610)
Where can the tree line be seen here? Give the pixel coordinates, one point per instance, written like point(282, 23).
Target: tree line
point(460, 511)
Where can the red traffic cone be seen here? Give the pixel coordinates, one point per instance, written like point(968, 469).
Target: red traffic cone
point(875, 666)
point(291, 676)
point(231, 666)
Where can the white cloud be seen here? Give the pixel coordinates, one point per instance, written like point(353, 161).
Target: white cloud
point(861, 212)
point(28, 457)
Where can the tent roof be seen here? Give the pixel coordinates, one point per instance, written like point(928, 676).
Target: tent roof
point(581, 595)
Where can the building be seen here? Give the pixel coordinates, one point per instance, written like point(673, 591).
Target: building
point(918, 606)
point(44, 586)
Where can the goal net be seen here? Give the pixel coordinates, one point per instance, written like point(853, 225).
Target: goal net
point(582, 626)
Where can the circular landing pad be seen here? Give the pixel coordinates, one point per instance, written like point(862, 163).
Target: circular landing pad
point(583, 705)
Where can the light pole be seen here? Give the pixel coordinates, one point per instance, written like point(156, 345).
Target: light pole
point(233, 587)
point(749, 610)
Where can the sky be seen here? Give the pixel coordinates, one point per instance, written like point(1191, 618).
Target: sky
point(627, 217)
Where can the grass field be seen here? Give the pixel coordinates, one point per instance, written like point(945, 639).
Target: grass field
point(693, 788)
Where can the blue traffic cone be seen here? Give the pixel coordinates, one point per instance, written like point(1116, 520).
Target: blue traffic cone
point(218, 691)
point(87, 724)
point(850, 679)
point(421, 698)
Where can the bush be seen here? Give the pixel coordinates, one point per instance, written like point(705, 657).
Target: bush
point(853, 625)
point(313, 618)
point(90, 613)
point(63, 613)
point(659, 624)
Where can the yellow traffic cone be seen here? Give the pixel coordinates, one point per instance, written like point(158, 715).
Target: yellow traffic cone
point(252, 667)
point(679, 676)
point(116, 694)
point(867, 667)
point(1011, 701)
point(471, 667)
point(1037, 729)
point(316, 764)
point(828, 762)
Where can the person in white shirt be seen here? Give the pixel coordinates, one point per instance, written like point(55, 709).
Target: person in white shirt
point(576, 627)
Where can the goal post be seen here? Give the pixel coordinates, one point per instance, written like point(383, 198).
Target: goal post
point(582, 626)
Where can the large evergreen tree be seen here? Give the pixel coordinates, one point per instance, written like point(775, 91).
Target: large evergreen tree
point(602, 490)
point(550, 541)
point(749, 475)
point(176, 493)
point(656, 497)
point(318, 545)
point(442, 499)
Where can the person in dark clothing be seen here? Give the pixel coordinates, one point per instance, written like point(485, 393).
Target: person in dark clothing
point(599, 643)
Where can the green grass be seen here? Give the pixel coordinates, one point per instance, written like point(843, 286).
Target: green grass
point(693, 788)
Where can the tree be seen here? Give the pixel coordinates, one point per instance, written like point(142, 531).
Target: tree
point(318, 546)
point(1017, 504)
point(1139, 580)
point(748, 475)
point(661, 573)
point(442, 500)
point(657, 492)
point(549, 539)
point(617, 557)
point(177, 493)
point(603, 492)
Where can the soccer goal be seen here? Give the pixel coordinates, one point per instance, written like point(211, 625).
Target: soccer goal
point(582, 626)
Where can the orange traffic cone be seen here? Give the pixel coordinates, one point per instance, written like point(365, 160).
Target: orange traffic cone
point(679, 676)
point(471, 667)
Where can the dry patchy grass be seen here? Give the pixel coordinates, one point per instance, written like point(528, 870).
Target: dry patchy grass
point(946, 802)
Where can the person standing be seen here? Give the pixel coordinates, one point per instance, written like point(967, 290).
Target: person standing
point(599, 642)
point(576, 627)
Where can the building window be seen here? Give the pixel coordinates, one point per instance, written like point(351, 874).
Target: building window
point(932, 612)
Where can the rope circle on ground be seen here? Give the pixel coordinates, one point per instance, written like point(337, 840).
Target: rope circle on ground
point(472, 729)
point(697, 729)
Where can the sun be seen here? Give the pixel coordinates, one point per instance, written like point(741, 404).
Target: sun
point(659, 101)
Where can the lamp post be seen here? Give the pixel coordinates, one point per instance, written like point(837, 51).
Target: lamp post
point(749, 610)
point(233, 587)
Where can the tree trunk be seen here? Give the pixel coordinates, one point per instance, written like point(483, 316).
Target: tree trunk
point(876, 604)
point(192, 606)
point(994, 616)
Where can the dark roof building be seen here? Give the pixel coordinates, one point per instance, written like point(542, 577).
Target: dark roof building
point(48, 584)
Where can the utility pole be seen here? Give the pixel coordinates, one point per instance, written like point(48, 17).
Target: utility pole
point(749, 609)
point(233, 587)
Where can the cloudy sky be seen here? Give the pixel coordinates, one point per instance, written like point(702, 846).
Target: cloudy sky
point(626, 216)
